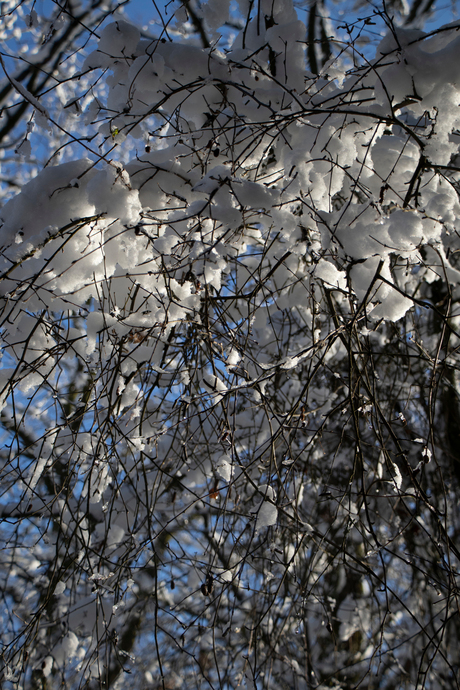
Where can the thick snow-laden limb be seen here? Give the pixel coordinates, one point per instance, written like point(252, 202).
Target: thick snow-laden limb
point(229, 396)
point(20, 88)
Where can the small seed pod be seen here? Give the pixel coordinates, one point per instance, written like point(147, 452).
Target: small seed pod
point(208, 586)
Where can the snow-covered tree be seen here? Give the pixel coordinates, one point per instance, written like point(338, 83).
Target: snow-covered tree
point(230, 329)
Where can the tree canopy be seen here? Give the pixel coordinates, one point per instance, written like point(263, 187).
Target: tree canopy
point(230, 330)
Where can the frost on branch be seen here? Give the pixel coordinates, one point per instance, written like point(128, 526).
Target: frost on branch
point(220, 356)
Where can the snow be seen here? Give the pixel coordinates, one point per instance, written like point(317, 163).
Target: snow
point(47, 666)
point(67, 649)
point(224, 468)
point(267, 515)
point(215, 13)
point(328, 273)
point(118, 39)
point(167, 324)
point(29, 97)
